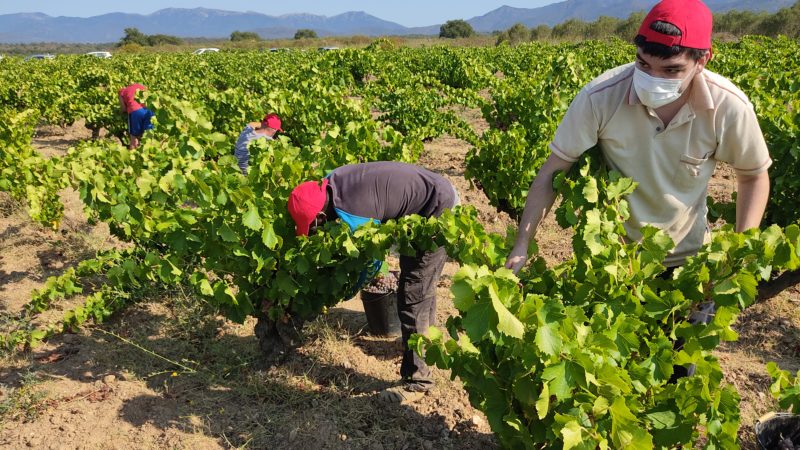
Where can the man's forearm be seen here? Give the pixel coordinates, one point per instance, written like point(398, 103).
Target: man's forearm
point(540, 198)
point(752, 193)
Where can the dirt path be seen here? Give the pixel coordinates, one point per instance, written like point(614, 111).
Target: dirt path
point(167, 373)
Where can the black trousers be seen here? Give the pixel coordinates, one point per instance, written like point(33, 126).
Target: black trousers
point(416, 306)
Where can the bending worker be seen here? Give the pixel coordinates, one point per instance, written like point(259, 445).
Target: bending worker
point(380, 191)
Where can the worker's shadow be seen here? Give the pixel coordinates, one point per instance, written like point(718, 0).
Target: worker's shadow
point(354, 324)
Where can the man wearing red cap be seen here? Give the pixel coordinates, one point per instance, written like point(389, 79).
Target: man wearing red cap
point(267, 128)
point(663, 121)
point(138, 116)
point(380, 191)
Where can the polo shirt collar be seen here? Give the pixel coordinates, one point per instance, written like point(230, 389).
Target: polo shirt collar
point(701, 95)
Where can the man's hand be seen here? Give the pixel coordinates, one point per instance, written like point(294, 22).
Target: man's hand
point(516, 259)
point(540, 199)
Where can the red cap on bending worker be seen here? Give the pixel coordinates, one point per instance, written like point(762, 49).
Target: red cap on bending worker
point(305, 202)
point(692, 17)
point(273, 121)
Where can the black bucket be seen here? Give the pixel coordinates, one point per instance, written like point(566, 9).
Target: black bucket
point(773, 427)
point(381, 311)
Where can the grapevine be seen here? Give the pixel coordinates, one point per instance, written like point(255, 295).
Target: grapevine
point(575, 356)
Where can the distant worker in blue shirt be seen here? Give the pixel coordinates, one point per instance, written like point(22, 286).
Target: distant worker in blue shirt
point(267, 128)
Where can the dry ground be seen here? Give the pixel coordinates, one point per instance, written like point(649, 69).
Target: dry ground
point(166, 373)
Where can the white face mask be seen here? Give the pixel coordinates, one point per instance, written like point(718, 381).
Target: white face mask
point(657, 92)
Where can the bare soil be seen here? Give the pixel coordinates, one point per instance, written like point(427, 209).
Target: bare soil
point(167, 373)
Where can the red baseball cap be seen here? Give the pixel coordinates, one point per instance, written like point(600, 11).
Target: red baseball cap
point(692, 17)
point(273, 121)
point(305, 201)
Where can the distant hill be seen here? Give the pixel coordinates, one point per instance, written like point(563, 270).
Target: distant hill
point(589, 10)
point(197, 22)
point(214, 23)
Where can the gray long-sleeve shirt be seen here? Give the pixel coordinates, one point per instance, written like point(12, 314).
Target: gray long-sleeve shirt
point(384, 190)
point(240, 150)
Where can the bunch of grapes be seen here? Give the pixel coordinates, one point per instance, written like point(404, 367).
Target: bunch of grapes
point(383, 284)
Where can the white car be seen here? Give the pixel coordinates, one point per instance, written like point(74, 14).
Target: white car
point(103, 55)
point(200, 51)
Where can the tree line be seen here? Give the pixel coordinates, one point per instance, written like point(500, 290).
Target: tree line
point(303, 33)
point(785, 21)
point(735, 23)
point(135, 37)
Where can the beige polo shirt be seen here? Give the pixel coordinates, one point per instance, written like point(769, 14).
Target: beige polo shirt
point(672, 164)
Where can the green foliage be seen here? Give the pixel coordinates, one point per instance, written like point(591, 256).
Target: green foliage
point(381, 44)
point(238, 36)
point(305, 33)
point(518, 33)
point(122, 274)
point(541, 32)
point(453, 29)
point(419, 112)
point(785, 387)
point(504, 158)
point(571, 356)
point(570, 29)
point(774, 95)
point(163, 39)
point(628, 28)
point(580, 355)
point(133, 36)
point(25, 174)
point(785, 21)
point(526, 108)
point(193, 219)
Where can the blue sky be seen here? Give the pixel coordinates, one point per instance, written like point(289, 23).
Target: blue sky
point(405, 12)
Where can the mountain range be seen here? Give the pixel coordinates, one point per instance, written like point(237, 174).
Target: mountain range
point(213, 23)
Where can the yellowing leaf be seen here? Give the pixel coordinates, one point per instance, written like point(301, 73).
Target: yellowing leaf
point(572, 434)
point(506, 322)
point(543, 404)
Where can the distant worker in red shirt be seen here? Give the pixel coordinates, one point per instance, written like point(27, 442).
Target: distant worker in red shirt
point(138, 116)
